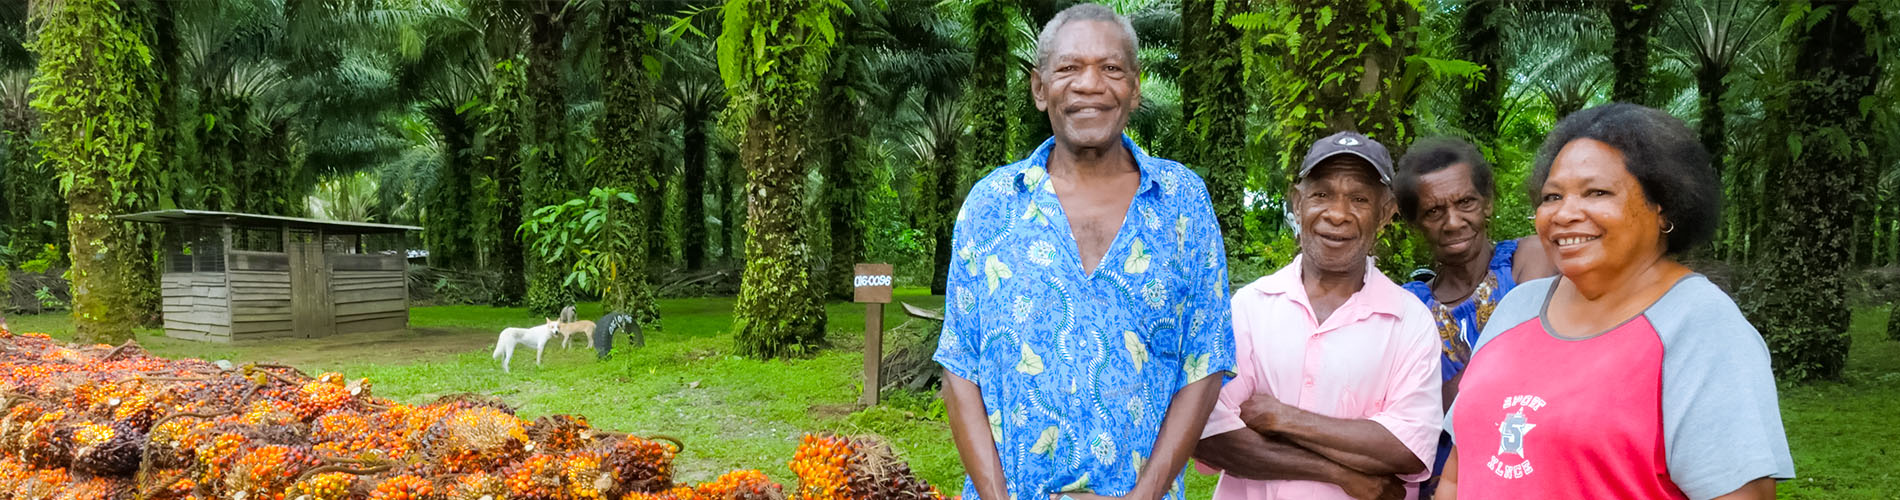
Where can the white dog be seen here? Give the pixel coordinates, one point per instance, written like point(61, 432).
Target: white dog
point(536, 337)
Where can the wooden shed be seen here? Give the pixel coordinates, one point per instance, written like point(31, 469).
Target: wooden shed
point(241, 277)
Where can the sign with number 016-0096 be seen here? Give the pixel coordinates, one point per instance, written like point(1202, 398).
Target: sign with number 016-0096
point(872, 284)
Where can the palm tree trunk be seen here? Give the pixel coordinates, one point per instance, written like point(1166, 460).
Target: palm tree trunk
point(1479, 36)
point(89, 67)
point(448, 222)
point(778, 313)
point(731, 206)
point(627, 166)
point(504, 147)
point(1214, 108)
point(988, 97)
point(542, 181)
point(1803, 312)
point(693, 178)
point(1634, 23)
point(943, 217)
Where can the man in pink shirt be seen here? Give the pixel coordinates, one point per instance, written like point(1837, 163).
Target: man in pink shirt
point(1336, 386)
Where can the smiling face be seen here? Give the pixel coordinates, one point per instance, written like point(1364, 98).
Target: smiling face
point(1088, 85)
point(1341, 205)
point(1592, 214)
point(1452, 213)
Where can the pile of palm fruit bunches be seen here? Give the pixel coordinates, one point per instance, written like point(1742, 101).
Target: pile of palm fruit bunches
point(104, 422)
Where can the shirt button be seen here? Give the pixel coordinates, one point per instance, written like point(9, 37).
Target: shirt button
point(1309, 381)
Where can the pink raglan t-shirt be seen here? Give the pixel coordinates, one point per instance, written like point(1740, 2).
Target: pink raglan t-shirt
point(1677, 402)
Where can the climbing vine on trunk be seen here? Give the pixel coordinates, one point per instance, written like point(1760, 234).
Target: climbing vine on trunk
point(96, 121)
point(772, 53)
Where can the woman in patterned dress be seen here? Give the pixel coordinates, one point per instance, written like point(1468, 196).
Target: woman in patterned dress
point(1445, 189)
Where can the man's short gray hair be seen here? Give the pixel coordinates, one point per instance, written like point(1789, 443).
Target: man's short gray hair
point(1046, 41)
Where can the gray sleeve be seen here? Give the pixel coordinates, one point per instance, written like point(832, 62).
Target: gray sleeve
point(1721, 420)
point(1524, 303)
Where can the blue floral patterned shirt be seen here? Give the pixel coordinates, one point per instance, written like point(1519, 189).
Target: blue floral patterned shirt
point(1077, 370)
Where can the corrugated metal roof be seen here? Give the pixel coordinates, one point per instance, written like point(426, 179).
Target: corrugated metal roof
point(213, 218)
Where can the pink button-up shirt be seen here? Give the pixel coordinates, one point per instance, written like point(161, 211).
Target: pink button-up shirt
point(1375, 358)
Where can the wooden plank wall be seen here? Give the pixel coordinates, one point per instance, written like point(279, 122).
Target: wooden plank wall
point(371, 292)
point(196, 306)
point(260, 295)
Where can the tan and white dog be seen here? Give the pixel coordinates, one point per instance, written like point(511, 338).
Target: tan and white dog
point(585, 328)
point(536, 337)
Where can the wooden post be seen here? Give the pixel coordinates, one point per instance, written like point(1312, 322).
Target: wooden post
point(873, 353)
point(872, 287)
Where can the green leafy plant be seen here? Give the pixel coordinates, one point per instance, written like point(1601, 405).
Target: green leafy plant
point(48, 301)
point(593, 236)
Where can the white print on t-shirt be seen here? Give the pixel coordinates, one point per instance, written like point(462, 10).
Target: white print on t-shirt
point(1511, 434)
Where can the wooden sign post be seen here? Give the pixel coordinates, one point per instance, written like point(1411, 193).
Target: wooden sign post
point(872, 287)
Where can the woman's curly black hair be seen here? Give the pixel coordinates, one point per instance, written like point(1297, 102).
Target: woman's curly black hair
point(1661, 152)
point(1434, 154)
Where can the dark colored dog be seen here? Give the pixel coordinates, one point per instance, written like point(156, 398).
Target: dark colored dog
point(608, 325)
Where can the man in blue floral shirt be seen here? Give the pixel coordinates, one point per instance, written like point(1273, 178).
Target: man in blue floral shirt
point(1086, 332)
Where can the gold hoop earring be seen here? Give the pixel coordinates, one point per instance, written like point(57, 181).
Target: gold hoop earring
point(1670, 229)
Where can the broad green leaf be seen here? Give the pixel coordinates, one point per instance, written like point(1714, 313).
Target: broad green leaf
point(1080, 485)
point(1138, 259)
point(1196, 367)
point(994, 270)
point(1046, 443)
point(1137, 350)
point(1031, 364)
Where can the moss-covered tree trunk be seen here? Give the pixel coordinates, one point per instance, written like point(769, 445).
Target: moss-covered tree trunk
point(731, 206)
point(38, 211)
point(1479, 103)
point(693, 167)
point(1634, 24)
point(1345, 73)
point(1214, 108)
point(449, 222)
point(542, 174)
point(1801, 305)
point(772, 55)
point(841, 133)
point(503, 153)
point(626, 127)
point(96, 120)
point(987, 100)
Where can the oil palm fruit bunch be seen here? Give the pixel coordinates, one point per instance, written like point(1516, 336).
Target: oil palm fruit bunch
point(833, 467)
point(325, 486)
point(404, 487)
point(537, 478)
point(741, 485)
point(584, 477)
point(472, 439)
point(559, 433)
point(320, 397)
point(48, 442)
point(676, 493)
point(640, 465)
point(477, 486)
point(107, 449)
point(267, 469)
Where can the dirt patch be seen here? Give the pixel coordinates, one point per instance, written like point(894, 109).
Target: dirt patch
point(834, 412)
point(322, 353)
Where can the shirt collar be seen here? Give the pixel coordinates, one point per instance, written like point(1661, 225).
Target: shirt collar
point(1037, 172)
point(1379, 296)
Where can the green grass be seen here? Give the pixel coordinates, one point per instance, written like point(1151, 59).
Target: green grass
point(736, 413)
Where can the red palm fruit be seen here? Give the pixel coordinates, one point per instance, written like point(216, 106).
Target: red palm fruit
point(404, 487)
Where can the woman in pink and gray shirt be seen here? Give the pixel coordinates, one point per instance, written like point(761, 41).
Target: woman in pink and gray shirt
point(1629, 375)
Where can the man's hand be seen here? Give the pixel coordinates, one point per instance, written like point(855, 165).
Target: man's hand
point(1264, 413)
point(1365, 487)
